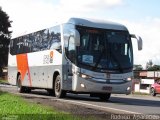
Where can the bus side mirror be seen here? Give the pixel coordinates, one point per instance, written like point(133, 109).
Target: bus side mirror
point(139, 41)
point(76, 36)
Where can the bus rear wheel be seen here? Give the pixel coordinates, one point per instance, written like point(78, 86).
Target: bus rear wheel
point(57, 88)
point(20, 88)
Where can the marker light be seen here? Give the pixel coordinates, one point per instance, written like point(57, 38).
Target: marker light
point(82, 85)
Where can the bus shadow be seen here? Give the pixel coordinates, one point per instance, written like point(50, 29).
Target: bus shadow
point(39, 92)
point(69, 96)
point(115, 100)
point(85, 97)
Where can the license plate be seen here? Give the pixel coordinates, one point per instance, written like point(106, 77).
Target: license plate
point(107, 88)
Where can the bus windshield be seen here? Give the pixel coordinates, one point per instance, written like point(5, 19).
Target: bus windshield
point(102, 49)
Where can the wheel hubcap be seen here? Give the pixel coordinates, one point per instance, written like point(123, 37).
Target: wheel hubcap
point(57, 86)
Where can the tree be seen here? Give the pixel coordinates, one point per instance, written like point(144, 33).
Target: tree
point(137, 67)
point(154, 68)
point(5, 36)
point(151, 67)
point(149, 64)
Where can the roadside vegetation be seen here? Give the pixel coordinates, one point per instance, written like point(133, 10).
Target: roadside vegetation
point(3, 81)
point(16, 108)
point(139, 93)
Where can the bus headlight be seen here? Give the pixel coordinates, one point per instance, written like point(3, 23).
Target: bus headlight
point(129, 88)
point(85, 76)
point(128, 79)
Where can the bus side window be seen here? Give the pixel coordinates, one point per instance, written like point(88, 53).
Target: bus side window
point(56, 46)
point(71, 52)
point(20, 45)
point(54, 37)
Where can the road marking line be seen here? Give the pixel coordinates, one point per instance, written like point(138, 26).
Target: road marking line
point(96, 106)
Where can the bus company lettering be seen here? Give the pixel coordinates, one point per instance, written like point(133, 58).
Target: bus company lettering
point(47, 59)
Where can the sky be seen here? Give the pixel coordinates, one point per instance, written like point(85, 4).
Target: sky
point(141, 17)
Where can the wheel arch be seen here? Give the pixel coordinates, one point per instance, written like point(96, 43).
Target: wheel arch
point(55, 74)
point(18, 73)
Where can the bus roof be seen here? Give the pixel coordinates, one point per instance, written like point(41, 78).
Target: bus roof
point(88, 23)
point(97, 24)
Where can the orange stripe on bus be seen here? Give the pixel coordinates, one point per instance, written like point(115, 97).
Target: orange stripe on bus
point(23, 67)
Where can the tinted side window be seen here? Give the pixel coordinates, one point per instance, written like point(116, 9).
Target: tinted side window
point(71, 52)
point(54, 38)
point(38, 41)
point(66, 33)
point(17, 46)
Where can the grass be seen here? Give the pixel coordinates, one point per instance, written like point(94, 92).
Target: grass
point(139, 93)
point(3, 81)
point(13, 107)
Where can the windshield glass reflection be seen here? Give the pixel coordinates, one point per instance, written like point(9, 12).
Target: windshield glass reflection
point(104, 49)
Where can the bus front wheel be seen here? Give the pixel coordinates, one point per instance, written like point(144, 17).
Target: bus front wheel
point(104, 97)
point(57, 88)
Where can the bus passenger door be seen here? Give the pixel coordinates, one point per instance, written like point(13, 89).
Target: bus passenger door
point(67, 74)
point(70, 75)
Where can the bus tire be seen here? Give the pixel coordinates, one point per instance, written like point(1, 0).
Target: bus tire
point(20, 88)
point(57, 88)
point(104, 97)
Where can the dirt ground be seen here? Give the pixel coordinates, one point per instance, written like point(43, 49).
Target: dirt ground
point(76, 110)
point(83, 112)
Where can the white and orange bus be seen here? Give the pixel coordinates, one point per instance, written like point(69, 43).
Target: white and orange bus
point(79, 56)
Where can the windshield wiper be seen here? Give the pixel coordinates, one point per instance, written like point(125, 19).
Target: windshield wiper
point(117, 61)
point(99, 59)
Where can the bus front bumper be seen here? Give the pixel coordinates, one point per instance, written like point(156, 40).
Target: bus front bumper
point(96, 86)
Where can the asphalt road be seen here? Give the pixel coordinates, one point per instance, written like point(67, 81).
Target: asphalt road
point(129, 104)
